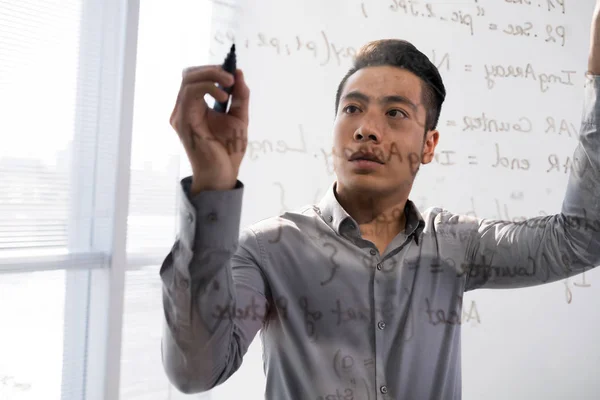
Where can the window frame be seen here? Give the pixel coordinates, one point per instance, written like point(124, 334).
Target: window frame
point(95, 260)
point(113, 122)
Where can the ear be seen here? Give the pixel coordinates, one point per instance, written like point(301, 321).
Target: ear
point(429, 144)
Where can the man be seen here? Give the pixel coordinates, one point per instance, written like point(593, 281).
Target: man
point(358, 297)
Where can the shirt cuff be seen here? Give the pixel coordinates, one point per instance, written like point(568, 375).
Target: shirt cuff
point(210, 219)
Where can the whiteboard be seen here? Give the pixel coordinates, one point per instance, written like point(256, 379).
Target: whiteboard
point(514, 74)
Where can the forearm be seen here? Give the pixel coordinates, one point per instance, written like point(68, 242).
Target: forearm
point(580, 242)
point(594, 57)
point(194, 344)
point(546, 249)
point(203, 342)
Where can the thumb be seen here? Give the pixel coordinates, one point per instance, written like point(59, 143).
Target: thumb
point(240, 97)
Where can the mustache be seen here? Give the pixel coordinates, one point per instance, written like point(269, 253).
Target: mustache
point(394, 152)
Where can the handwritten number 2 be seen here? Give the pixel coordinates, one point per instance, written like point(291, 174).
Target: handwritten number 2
point(263, 40)
point(430, 10)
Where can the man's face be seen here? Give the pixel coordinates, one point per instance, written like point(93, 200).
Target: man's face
point(380, 111)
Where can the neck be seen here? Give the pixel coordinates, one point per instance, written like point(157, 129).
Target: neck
point(378, 215)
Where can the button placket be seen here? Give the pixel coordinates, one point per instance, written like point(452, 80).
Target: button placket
point(378, 332)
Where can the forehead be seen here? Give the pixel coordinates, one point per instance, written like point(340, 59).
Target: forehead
point(384, 81)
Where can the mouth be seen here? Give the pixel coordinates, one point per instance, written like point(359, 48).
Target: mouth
point(365, 158)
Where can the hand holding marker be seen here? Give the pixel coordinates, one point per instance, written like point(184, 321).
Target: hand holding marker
point(229, 65)
point(207, 137)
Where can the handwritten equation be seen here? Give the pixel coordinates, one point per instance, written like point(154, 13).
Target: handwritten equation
point(324, 52)
point(485, 123)
point(555, 162)
point(339, 314)
point(257, 148)
point(428, 10)
point(318, 47)
point(468, 16)
point(493, 72)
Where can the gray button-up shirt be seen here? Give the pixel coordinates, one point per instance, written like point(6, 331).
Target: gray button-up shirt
point(340, 320)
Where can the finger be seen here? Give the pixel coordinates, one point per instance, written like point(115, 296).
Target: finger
point(191, 101)
point(188, 70)
point(193, 105)
point(213, 73)
point(173, 118)
point(240, 97)
point(197, 91)
point(193, 68)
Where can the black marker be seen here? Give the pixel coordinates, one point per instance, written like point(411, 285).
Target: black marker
point(229, 66)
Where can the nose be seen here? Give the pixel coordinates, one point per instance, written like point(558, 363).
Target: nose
point(367, 131)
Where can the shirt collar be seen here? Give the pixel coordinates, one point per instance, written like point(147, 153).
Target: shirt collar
point(338, 219)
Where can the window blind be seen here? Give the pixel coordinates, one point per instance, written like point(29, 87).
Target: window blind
point(38, 76)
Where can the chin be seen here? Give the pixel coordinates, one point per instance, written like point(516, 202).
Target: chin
point(364, 182)
point(372, 184)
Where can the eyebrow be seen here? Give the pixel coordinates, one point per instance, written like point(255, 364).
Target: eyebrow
point(384, 100)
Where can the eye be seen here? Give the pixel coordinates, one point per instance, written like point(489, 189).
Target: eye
point(394, 113)
point(350, 107)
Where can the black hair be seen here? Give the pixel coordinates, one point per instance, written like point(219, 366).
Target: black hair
point(403, 54)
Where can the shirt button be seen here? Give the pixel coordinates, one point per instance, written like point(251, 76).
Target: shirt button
point(330, 218)
point(381, 325)
point(373, 252)
point(383, 389)
point(190, 218)
point(211, 217)
point(379, 266)
point(186, 285)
